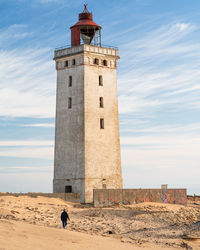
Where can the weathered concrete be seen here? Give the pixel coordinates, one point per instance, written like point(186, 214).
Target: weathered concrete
point(87, 157)
point(110, 197)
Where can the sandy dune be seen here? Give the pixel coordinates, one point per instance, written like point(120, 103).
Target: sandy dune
point(19, 235)
point(34, 223)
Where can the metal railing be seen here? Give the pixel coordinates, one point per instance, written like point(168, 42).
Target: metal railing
point(101, 46)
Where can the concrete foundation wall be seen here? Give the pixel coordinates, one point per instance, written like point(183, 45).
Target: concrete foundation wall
point(110, 197)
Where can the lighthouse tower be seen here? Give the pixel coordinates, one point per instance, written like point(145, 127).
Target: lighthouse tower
point(87, 142)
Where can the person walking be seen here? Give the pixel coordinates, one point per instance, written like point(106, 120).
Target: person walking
point(64, 217)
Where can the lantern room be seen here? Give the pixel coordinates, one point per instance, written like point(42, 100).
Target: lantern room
point(85, 31)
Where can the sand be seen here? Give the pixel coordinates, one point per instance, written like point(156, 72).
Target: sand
point(34, 223)
point(18, 235)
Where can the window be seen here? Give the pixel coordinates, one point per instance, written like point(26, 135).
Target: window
point(68, 189)
point(101, 123)
point(104, 186)
point(96, 61)
point(101, 102)
point(105, 62)
point(70, 81)
point(73, 62)
point(100, 80)
point(69, 103)
point(66, 63)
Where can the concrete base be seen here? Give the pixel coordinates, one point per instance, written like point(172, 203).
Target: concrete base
point(77, 186)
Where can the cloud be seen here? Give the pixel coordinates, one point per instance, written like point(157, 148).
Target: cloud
point(158, 81)
point(190, 129)
point(27, 83)
point(29, 77)
point(32, 182)
point(6, 169)
point(161, 142)
point(31, 152)
point(19, 167)
point(27, 149)
point(40, 125)
point(160, 69)
point(158, 88)
point(149, 161)
point(14, 33)
point(49, 1)
point(182, 26)
point(26, 143)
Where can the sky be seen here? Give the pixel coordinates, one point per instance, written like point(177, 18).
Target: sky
point(158, 88)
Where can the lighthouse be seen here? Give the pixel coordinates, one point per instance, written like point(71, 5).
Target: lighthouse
point(87, 140)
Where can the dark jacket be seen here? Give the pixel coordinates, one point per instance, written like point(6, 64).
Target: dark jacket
point(64, 216)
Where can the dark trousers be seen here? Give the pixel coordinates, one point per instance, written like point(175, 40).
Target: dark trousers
point(64, 223)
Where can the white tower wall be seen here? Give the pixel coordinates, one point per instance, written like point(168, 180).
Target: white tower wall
point(86, 156)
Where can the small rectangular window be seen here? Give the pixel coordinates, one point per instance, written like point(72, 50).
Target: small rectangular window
point(105, 62)
point(69, 103)
point(66, 63)
point(73, 62)
point(101, 123)
point(101, 102)
point(70, 81)
point(100, 80)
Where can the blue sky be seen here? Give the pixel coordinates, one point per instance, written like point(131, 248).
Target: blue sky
point(158, 88)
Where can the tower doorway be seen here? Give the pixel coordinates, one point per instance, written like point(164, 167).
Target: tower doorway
point(68, 189)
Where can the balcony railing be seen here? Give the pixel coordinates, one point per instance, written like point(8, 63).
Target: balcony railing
point(68, 50)
point(102, 46)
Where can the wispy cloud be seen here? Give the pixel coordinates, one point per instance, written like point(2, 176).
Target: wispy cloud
point(27, 83)
point(149, 161)
point(32, 181)
point(14, 33)
point(159, 103)
point(26, 143)
point(190, 129)
point(7, 169)
point(161, 69)
point(49, 1)
point(27, 149)
point(24, 152)
point(40, 125)
point(158, 86)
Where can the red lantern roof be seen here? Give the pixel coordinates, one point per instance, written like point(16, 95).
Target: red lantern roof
point(86, 19)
